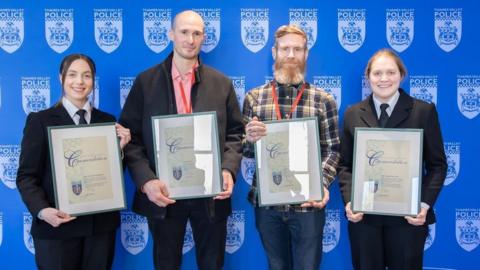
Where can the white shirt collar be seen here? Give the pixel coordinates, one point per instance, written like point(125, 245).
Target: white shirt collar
point(391, 104)
point(72, 110)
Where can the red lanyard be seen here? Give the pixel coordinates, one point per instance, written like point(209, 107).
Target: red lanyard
point(294, 105)
point(186, 104)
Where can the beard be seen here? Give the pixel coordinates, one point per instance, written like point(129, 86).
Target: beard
point(290, 71)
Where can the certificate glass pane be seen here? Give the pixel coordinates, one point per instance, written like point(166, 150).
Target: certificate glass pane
point(289, 163)
point(187, 154)
point(387, 171)
point(87, 170)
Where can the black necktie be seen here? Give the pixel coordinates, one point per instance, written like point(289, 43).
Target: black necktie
point(82, 120)
point(383, 115)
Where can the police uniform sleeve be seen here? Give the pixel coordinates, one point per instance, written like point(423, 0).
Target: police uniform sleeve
point(434, 157)
point(32, 165)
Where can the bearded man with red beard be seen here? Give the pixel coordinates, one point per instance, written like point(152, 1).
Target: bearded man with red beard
point(292, 234)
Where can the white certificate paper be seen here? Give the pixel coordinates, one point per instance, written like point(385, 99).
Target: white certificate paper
point(289, 163)
point(187, 154)
point(387, 171)
point(87, 170)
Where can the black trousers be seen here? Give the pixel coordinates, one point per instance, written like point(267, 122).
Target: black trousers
point(398, 247)
point(80, 253)
point(168, 234)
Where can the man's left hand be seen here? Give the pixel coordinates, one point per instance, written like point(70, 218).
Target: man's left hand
point(227, 186)
point(419, 219)
point(320, 204)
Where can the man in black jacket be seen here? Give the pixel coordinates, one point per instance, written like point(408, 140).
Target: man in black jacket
point(182, 84)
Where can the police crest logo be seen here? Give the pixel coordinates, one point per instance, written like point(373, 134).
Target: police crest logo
point(156, 24)
point(248, 169)
point(331, 85)
point(11, 29)
point(35, 93)
point(133, 232)
point(467, 225)
point(424, 88)
point(59, 29)
point(254, 28)
point(77, 187)
point(212, 18)
point(351, 29)
point(188, 242)
point(235, 231)
point(125, 86)
point(27, 237)
point(94, 96)
point(277, 177)
point(452, 150)
point(108, 28)
point(430, 237)
point(448, 27)
point(468, 95)
point(177, 172)
point(331, 230)
point(239, 86)
point(400, 30)
point(306, 19)
point(9, 156)
point(366, 90)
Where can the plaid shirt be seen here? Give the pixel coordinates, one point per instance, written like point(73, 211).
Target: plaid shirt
point(314, 102)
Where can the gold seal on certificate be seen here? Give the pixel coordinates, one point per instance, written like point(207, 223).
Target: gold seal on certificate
point(187, 154)
point(88, 175)
point(387, 171)
point(289, 163)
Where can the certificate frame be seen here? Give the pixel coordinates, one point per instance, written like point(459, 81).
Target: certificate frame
point(191, 167)
point(87, 169)
point(387, 171)
point(289, 163)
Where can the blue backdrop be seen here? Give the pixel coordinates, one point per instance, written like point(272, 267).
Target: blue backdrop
point(438, 40)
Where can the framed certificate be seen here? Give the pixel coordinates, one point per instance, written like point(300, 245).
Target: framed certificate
point(87, 168)
point(386, 174)
point(187, 155)
point(288, 161)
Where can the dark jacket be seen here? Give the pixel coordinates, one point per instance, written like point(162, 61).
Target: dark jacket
point(408, 113)
point(34, 177)
point(153, 94)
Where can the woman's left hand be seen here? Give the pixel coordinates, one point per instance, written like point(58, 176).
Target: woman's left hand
point(123, 134)
point(419, 219)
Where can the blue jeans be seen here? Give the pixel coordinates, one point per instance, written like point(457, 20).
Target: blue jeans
point(292, 240)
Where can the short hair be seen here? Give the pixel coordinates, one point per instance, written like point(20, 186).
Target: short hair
point(289, 29)
point(388, 53)
point(69, 59)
